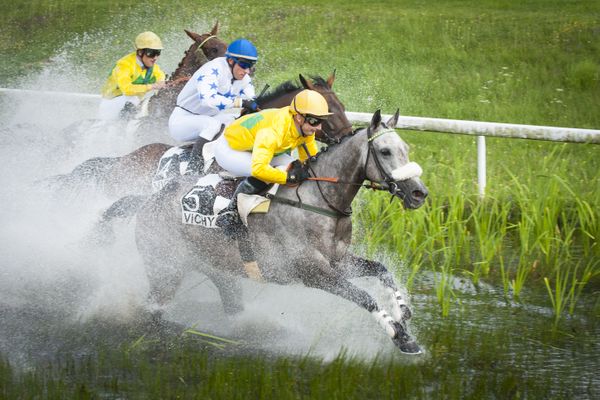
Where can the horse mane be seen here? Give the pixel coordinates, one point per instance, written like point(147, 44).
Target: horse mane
point(285, 87)
point(288, 87)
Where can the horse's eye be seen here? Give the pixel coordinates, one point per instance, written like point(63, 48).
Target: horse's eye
point(386, 152)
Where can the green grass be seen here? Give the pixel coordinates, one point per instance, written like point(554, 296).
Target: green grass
point(183, 367)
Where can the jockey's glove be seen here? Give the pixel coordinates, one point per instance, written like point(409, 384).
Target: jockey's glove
point(250, 105)
point(297, 173)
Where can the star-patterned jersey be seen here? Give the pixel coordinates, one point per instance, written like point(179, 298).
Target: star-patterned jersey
point(212, 89)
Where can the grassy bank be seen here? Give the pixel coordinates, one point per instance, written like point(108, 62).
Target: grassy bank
point(536, 62)
point(185, 367)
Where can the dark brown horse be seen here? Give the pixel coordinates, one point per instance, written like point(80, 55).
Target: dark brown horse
point(133, 172)
point(206, 47)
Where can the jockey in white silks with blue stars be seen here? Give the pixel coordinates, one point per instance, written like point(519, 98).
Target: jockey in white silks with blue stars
point(220, 84)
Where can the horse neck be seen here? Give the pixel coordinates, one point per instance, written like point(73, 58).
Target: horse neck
point(186, 66)
point(346, 162)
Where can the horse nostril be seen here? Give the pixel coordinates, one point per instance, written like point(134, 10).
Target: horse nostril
point(419, 195)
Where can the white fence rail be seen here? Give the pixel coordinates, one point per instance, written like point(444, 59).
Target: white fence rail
point(482, 129)
point(476, 128)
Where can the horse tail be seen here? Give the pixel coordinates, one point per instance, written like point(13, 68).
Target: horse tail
point(124, 208)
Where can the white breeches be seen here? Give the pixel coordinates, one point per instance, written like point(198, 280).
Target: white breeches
point(187, 127)
point(111, 108)
point(239, 163)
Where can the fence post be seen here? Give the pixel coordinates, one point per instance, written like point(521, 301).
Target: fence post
point(481, 165)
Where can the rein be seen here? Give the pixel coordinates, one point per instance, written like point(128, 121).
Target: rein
point(388, 184)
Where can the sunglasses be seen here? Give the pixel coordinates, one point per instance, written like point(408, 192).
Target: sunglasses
point(245, 64)
point(152, 53)
point(313, 121)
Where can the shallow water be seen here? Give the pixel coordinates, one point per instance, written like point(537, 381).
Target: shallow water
point(53, 284)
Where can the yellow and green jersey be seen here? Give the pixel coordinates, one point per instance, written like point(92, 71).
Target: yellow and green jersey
point(266, 134)
point(130, 78)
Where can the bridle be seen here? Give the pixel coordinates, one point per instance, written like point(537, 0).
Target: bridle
point(387, 184)
point(199, 50)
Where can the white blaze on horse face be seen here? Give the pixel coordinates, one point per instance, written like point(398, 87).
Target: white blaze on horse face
point(408, 171)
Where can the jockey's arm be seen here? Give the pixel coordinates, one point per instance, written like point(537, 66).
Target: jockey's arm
point(263, 151)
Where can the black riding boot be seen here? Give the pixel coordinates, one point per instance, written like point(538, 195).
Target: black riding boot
point(229, 218)
point(196, 164)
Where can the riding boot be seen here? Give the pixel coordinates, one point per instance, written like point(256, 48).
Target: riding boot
point(196, 164)
point(229, 217)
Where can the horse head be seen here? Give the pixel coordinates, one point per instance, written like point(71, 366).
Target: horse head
point(337, 125)
point(206, 47)
point(387, 163)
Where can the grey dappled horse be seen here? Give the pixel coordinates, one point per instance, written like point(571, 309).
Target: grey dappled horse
point(291, 244)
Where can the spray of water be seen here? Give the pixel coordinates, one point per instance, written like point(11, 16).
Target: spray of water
point(51, 275)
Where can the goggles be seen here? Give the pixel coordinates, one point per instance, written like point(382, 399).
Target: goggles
point(244, 64)
point(313, 121)
point(151, 53)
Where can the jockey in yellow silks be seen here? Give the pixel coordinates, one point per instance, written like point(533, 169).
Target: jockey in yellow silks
point(254, 145)
point(133, 77)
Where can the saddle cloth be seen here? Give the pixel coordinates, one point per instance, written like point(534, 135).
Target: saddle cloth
point(210, 194)
point(175, 163)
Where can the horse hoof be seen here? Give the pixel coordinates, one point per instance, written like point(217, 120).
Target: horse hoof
point(408, 347)
point(404, 341)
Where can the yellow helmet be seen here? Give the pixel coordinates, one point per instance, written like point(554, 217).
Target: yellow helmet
point(309, 102)
point(148, 40)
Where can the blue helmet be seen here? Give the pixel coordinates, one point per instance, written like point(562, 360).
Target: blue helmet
point(242, 48)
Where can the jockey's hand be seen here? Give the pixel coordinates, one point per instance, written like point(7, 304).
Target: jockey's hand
point(297, 173)
point(250, 105)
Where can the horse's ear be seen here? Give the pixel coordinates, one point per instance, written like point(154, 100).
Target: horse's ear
point(375, 121)
point(194, 36)
point(331, 79)
point(393, 121)
point(305, 83)
point(215, 29)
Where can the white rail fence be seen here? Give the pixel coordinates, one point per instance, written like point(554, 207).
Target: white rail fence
point(483, 129)
point(475, 128)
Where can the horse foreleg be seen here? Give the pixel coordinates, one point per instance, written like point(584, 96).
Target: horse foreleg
point(230, 291)
point(360, 267)
point(338, 285)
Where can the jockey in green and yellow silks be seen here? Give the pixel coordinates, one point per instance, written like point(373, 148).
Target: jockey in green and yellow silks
point(130, 77)
point(133, 76)
point(254, 145)
point(266, 135)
